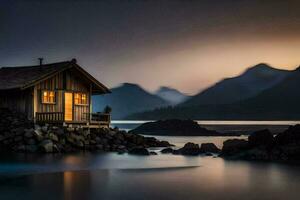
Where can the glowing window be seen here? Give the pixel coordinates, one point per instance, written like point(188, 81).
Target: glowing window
point(80, 99)
point(48, 97)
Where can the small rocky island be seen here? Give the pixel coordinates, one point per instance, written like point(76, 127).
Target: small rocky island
point(177, 127)
point(17, 134)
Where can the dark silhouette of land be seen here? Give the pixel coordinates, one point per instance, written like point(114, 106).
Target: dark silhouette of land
point(176, 127)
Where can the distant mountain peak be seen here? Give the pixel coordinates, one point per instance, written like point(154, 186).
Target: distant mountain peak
point(165, 89)
point(130, 85)
point(248, 84)
point(260, 67)
point(264, 70)
point(171, 95)
point(126, 99)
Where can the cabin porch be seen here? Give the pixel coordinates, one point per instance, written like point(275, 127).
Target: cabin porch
point(89, 120)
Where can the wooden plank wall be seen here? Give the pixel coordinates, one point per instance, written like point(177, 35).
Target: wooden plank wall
point(73, 84)
point(20, 101)
point(54, 84)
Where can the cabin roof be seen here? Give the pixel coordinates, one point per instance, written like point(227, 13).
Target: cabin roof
point(27, 76)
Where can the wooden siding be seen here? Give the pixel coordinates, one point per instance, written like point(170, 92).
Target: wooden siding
point(18, 100)
point(67, 81)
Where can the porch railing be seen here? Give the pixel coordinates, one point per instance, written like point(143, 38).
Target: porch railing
point(49, 117)
point(100, 117)
point(58, 117)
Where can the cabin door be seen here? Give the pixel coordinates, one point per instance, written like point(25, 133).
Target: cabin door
point(68, 106)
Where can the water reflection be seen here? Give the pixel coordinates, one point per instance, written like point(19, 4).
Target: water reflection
point(213, 179)
point(112, 176)
point(77, 185)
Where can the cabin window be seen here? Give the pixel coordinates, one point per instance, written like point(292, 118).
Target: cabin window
point(80, 99)
point(48, 96)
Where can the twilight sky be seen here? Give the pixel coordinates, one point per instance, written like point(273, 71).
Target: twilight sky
point(188, 44)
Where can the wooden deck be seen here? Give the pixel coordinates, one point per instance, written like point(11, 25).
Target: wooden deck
point(92, 120)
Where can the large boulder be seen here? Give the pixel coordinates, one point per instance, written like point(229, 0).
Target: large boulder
point(76, 140)
point(290, 152)
point(29, 133)
point(45, 128)
point(20, 148)
point(190, 149)
point(79, 143)
point(119, 136)
point(257, 153)
point(58, 131)
point(209, 148)
point(139, 151)
point(38, 134)
point(18, 131)
point(291, 135)
point(261, 138)
point(30, 141)
point(167, 150)
point(234, 146)
point(2, 137)
point(164, 143)
point(18, 139)
point(46, 146)
point(52, 137)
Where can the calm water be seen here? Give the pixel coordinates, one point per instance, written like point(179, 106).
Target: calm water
point(113, 176)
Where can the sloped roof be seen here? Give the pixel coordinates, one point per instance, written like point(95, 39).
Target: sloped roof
point(23, 77)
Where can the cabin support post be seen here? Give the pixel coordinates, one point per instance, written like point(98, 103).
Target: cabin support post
point(90, 104)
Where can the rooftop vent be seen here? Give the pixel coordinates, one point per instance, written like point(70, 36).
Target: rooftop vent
point(41, 61)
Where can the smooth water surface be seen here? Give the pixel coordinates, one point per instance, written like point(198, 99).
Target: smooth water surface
point(112, 176)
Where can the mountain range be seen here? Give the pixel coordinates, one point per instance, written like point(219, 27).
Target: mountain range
point(261, 92)
point(171, 95)
point(250, 83)
point(130, 98)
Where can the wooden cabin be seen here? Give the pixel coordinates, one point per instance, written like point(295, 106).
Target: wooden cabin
point(57, 93)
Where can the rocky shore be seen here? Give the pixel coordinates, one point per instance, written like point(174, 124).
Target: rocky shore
point(17, 134)
point(263, 146)
point(260, 146)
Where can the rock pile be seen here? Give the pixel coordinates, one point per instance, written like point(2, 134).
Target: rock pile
point(234, 146)
point(20, 135)
point(262, 145)
point(193, 149)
